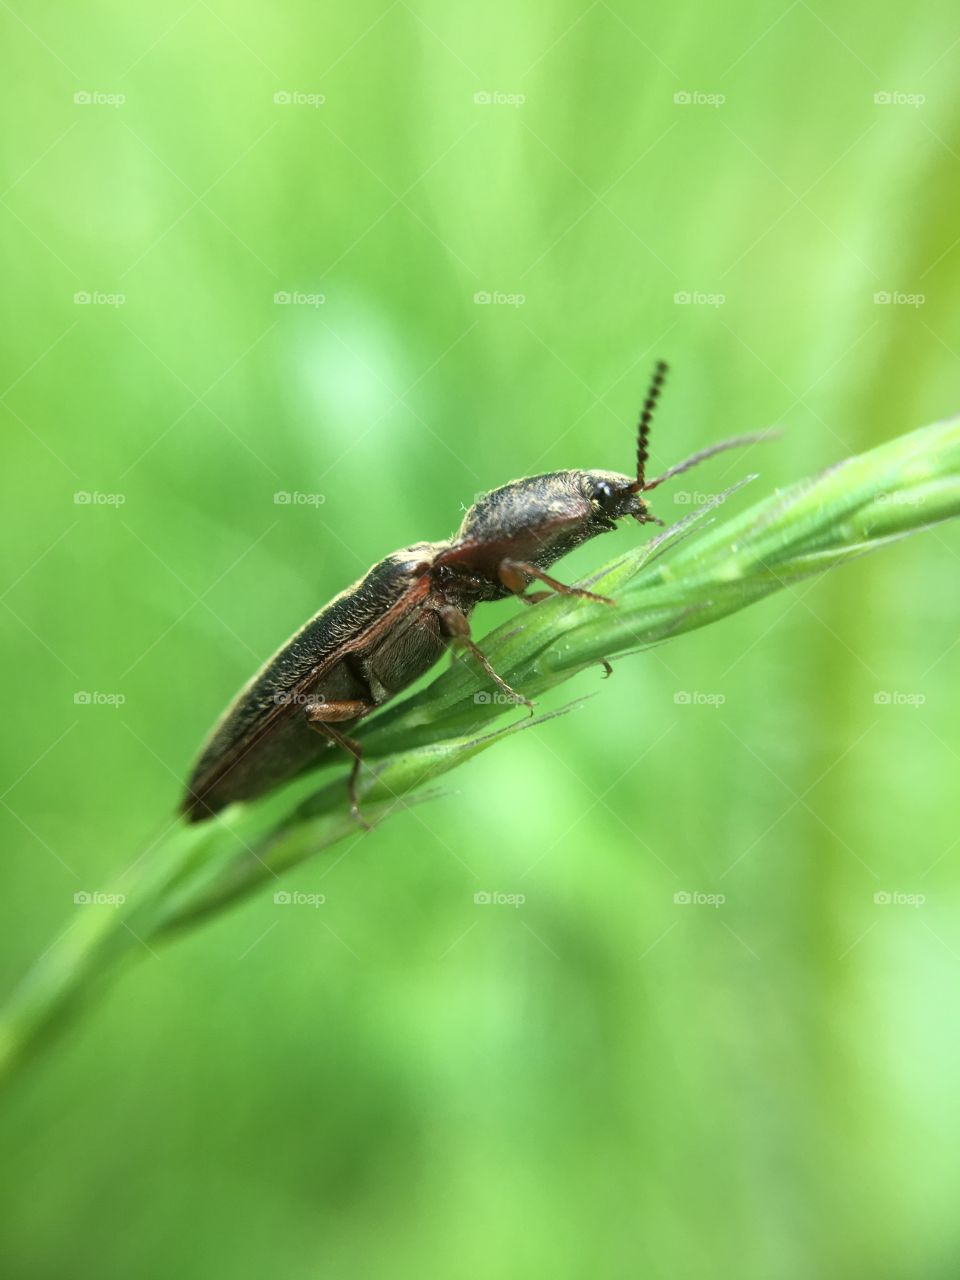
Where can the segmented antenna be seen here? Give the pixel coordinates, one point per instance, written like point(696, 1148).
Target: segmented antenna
point(646, 417)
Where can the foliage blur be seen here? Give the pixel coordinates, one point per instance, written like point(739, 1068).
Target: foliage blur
point(246, 252)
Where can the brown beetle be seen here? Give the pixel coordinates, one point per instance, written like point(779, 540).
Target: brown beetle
point(376, 637)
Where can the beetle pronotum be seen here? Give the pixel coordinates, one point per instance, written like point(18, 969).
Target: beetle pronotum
point(376, 637)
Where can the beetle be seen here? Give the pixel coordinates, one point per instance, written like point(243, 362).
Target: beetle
point(376, 637)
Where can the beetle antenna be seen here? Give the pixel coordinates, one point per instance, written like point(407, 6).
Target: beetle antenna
point(736, 442)
point(646, 417)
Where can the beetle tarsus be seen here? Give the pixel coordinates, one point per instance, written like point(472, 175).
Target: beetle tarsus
point(319, 716)
point(515, 575)
point(352, 792)
point(497, 679)
point(456, 627)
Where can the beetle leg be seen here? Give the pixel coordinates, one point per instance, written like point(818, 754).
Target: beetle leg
point(343, 709)
point(319, 716)
point(456, 627)
point(514, 574)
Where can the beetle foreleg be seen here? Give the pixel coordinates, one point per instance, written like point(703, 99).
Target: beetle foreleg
point(515, 575)
point(319, 716)
point(456, 627)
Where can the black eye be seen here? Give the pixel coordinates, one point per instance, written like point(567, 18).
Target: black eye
point(606, 495)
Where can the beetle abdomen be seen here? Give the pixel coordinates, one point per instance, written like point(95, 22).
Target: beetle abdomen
point(263, 738)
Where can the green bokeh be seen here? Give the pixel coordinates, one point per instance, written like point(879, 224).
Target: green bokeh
point(400, 1082)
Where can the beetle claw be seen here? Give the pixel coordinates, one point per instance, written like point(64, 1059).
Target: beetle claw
point(358, 817)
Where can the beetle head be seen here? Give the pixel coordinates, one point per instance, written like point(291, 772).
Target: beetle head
point(541, 518)
point(612, 496)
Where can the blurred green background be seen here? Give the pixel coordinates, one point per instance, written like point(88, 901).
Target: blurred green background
point(601, 1081)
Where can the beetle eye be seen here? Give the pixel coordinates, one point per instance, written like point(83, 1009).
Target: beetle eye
point(605, 495)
